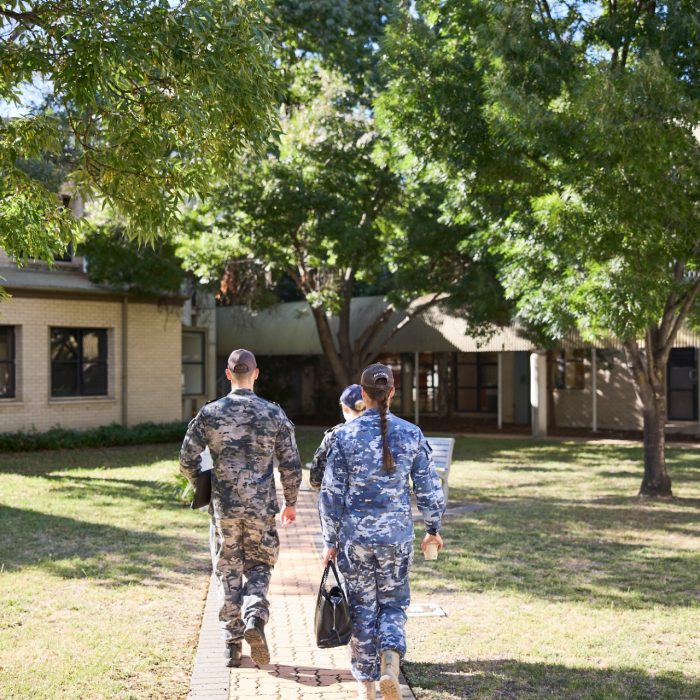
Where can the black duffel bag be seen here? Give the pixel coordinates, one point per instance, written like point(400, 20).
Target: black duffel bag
point(332, 618)
point(202, 491)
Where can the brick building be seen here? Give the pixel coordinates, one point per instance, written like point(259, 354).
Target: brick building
point(79, 355)
point(443, 371)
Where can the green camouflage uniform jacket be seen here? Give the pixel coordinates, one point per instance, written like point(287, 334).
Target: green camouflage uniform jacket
point(244, 433)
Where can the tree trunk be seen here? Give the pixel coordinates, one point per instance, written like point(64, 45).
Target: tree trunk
point(341, 373)
point(649, 371)
point(349, 358)
point(656, 481)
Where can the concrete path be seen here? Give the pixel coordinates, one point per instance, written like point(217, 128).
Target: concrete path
point(298, 668)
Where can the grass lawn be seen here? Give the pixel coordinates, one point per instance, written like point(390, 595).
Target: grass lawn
point(103, 575)
point(563, 585)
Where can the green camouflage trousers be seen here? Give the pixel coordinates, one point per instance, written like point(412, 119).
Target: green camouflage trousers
point(243, 552)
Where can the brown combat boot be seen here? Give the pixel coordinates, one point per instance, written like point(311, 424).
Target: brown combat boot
point(233, 654)
point(390, 669)
point(255, 636)
point(366, 690)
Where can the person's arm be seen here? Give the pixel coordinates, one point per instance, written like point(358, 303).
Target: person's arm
point(318, 462)
point(426, 485)
point(192, 447)
point(289, 465)
point(331, 503)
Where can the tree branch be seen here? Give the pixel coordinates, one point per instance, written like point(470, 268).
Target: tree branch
point(683, 312)
point(411, 314)
point(368, 334)
point(27, 17)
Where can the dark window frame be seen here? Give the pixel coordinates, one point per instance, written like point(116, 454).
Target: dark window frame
point(428, 382)
point(12, 362)
point(481, 386)
point(79, 363)
point(682, 358)
point(562, 360)
point(202, 363)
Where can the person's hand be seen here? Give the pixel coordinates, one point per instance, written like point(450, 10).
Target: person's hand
point(432, 539)
point(289, 515)
point(329, 554)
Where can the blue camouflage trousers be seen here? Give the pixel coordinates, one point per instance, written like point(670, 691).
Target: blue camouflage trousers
point(243, 552)
point(376, 578)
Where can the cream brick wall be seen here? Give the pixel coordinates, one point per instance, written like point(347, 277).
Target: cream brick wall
point(618, 405)
point(154, 366)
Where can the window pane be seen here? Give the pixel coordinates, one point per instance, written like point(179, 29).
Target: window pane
point(559, 369)
point(681, 405)
point(194, 379)
point(681, 377)
point(488, 400)
point(574, 374)
point(94, 345)
point(94, 379)
point(7, 335)
point(7, 379)
point(466, 375)
point(466, 400)
point(64, 344)
point(193, 347)
point(489, 375)
point(64, 379)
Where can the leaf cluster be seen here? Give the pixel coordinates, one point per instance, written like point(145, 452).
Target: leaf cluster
point(575, 153)
point(126, 264)
point(156, 97)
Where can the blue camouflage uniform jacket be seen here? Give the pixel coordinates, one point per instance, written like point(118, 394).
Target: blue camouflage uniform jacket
point(244, 433)
point(318, 461)
point(362, 503)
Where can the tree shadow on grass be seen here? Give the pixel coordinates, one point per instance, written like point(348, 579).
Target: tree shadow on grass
point(157, 494)
point(507, 679)
point(72, 548)
point(47, 462)
point(523, 453)
point(600, 553)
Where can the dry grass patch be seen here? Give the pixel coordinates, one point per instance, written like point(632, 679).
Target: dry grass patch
point(104, 575)
point(565, 586)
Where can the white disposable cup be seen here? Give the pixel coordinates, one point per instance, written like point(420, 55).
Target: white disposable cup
point(431, 551)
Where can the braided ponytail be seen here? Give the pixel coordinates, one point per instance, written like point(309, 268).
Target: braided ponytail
point(381, 396)
point(387, 457)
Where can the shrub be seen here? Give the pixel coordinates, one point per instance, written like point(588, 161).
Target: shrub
point(105, 436)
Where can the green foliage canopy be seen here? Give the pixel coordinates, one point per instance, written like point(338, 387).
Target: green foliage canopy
point(152, 98)
point(327, 207)
point(569, 132)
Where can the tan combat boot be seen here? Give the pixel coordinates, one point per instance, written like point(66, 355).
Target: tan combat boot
point(366, 690)
point(390, 669)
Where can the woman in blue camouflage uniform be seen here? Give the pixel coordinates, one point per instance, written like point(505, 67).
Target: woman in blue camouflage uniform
point(352, 406)
point(367, 525)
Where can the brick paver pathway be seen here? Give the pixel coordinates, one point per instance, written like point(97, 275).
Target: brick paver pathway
point(298, 668)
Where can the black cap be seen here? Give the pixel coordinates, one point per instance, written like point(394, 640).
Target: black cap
point(377, 376)
point(241, 361)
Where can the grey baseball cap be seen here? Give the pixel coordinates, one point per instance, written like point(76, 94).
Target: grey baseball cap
point(241, 361)
point(377, 376)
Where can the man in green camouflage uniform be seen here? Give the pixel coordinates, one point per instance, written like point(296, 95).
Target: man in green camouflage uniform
point(244, 434)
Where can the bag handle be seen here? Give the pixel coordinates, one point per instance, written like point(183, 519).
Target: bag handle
point(329, 565)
